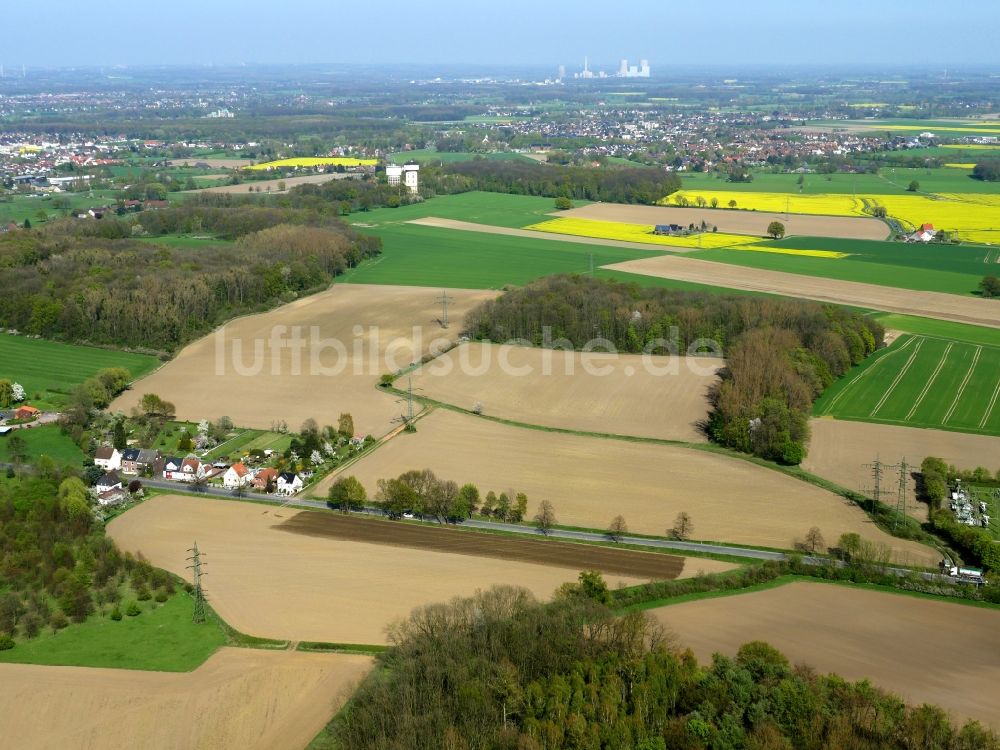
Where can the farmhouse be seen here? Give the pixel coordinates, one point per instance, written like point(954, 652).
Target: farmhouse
point(26, 412)
point(112, 496)
point(288, 483)
point(667, 229)
point(237, 475)
point(108, 458)
point(925, 233)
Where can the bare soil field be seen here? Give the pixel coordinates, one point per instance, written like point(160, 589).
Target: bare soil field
point(268, 582)
point(590, 480)
point(212, 163)
point(840, 451)
point(622, 394)
point(469, 226)
point(577, 557)
point(239, 698)
point(271, 186)
point(926, 651)
point(735, 222)
point(378, 329)
point(867, 296)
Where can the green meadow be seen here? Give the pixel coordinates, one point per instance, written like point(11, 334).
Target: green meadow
point(49, 370)
point(46, 440)
point(162, 638)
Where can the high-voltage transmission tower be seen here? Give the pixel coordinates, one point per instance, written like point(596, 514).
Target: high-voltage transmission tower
point(199, 593)
point(444, 299)
point(901, 496)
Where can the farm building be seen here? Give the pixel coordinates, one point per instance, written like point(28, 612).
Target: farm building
point(26, 412)
point(668, 229)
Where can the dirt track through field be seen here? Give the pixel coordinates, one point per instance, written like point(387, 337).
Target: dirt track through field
point(926, 651)
point(239, 698)
point(577, 557)
point(842, 451)
point(867, 296)
point(468, 226)
point(734, 221)
point(590, 480)
point(268, 582)
point(621, 394)
point(378, 329)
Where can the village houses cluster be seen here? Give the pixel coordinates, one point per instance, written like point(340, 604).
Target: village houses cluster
point(138, 462)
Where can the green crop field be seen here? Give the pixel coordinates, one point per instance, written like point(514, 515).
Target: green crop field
point(417, 255)
point(46, 440)
point(955, 269)
point(496, 209)
point(162, 638)
point(943, 329)
point(922, 381)
point(48, 370)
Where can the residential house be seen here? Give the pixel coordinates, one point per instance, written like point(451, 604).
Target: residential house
point(137, 460)
point(265, 476)
point(171, 466)
point(357, 441)
point(26, 412)
point(925, 233)
point(237, 475)
point(110, 481)
point(108, 458)
point(112, 497)
point(185, 469)
point(288, 483)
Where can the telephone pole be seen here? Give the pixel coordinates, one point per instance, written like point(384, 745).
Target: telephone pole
point(444, 300)
point(199, 594)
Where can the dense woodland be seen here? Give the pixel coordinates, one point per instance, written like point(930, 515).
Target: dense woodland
point(475, 675)
point(619, 185)
point(780, 353)
point(56, 564)
point(89, 280)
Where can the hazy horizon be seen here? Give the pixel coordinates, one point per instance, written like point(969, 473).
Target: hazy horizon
point(519, 34)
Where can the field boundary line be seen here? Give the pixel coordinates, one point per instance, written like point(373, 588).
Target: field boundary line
point(989, 408)
point(930, 382)
point(961, 388)
point(899, 376)
point(905, 345)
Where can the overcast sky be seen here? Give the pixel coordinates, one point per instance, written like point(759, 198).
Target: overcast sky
point(729, 32)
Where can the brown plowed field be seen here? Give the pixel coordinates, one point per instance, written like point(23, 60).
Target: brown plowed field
point(239, 698)
point(590, 480)
point(558, 391)
point(842, 451)
point(867, 296)
point(577, 557)
point(268, 582)
point(271, 186)
point(735, 222)
point(926, 651)
point(374, 324)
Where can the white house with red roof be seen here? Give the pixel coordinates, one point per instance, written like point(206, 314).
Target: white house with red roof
point(237, 475)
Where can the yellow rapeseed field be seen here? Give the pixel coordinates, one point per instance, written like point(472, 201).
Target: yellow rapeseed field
point(973, 147)
point(954, 165)
point(614, 230)
point(320, 161)
point(829, 204)
point(973, 217)
point(792, 251)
